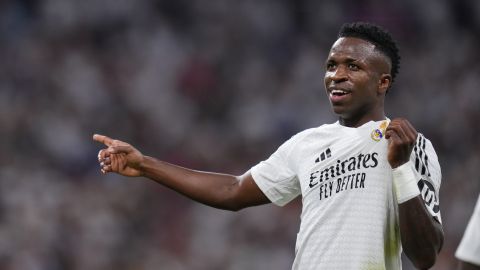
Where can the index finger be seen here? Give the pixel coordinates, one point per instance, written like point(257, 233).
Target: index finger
point(103, 139)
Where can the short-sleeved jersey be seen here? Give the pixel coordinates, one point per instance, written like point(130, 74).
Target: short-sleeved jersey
point(349, 214)
point(469, 248)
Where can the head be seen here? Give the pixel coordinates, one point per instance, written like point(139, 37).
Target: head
point(360, 68)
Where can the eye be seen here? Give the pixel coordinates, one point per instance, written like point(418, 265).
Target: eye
point(353, 67)
point(330, 66)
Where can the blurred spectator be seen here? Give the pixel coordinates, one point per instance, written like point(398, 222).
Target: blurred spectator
point(217, 85)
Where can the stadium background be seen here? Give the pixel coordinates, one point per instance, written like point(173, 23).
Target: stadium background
point(213, 85)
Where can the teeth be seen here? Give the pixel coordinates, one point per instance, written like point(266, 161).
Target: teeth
point(338, 92)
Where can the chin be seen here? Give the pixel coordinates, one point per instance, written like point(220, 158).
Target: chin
point(340, 111)
point(343, 114)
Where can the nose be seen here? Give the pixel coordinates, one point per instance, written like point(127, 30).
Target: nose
point(339, 74)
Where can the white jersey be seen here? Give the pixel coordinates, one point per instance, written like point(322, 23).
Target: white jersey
point(349, 211)
point(469, 248)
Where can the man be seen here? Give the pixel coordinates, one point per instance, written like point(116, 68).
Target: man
point(468, 251)
point(369, 185)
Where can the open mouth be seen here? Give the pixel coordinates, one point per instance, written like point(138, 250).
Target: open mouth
point(338, 93)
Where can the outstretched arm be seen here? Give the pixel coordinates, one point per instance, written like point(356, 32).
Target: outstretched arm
point(222, 191)
point(421, 234)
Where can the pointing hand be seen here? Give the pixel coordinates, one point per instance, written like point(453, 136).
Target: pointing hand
point(119, 157)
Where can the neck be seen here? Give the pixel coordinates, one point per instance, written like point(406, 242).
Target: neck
point(361, 119)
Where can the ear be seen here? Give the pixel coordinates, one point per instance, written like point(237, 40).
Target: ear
point(384, 83)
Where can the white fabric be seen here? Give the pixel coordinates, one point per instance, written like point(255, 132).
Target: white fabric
point(349, 213)
point(404, 183)
point(469, 248)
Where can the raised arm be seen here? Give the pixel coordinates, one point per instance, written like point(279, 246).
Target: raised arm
point(222, 191)
point(421, 234)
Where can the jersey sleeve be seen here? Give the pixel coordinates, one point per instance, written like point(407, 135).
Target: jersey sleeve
point(428, 174)
point(276, 176)
point(469, 248)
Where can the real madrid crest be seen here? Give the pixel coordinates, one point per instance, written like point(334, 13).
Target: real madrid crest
point(378, 133)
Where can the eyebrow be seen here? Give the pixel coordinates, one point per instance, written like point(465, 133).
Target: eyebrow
point(347, 60)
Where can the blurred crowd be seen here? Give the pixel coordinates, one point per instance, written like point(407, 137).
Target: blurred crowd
point(211, 85)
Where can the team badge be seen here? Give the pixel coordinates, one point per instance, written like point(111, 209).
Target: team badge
point(378, 133)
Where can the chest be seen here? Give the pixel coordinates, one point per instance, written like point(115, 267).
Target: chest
point(343, 164)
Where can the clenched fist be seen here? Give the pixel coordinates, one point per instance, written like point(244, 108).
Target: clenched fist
point(401, 136)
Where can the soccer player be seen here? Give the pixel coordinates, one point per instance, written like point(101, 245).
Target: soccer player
point(468, 251)
point(369, 185)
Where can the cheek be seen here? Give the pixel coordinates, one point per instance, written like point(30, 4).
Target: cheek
point(373, 80)
point(369, 85)
point(326, 79)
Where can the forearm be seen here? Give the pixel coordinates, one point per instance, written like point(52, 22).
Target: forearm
point(422, 236)
point(213, 189)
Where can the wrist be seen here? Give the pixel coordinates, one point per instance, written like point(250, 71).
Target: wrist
point(142, 161)
point(404, 183)
point(396, 164)
point(143, 164)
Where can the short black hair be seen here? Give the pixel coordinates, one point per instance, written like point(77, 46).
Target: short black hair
point(376, 35)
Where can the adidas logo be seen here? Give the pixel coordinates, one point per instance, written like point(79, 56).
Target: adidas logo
point(324, 155)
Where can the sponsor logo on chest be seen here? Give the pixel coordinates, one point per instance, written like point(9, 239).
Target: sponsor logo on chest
point(346, 174)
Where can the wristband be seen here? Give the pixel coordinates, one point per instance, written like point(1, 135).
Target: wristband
point(404, 183)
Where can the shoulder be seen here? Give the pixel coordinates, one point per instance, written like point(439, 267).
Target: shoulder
point(423, 145)
point(303, 137)
point(424, 149)
point(423, 141)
